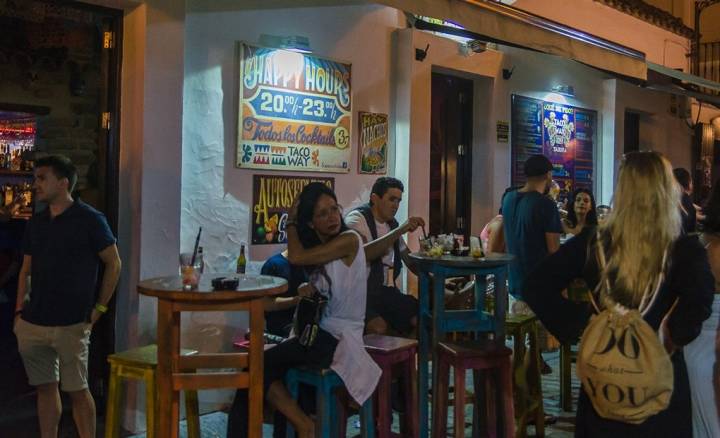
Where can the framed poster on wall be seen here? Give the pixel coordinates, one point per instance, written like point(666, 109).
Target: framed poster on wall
point(563, 133)
point(272, 197)
point(372, 143)
point(294, 111)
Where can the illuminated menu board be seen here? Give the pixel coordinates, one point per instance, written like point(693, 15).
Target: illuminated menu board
point(295, 112)
point(563, 133)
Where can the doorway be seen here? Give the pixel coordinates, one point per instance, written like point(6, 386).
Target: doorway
point(59, 69)
point(450, 155)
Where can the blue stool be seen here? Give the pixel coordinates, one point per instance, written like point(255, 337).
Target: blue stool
point(326, 382)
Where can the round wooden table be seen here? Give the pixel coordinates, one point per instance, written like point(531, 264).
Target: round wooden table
point(176, 373)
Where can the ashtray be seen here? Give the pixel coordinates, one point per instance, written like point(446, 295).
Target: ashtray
point(225, 283)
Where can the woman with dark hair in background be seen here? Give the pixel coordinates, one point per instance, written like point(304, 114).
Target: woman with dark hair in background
point(580, 212)
point(335, 260)
point(702, 355)
point(643, 227)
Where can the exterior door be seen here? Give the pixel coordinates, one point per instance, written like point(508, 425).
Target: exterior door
point(450, 155)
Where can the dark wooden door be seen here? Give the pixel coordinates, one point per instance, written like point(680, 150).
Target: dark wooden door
point(450, 155)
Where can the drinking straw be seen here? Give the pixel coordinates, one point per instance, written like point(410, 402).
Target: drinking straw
point(424, 233)
point(197, 241)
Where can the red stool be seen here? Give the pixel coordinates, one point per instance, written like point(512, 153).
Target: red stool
point(483, 357)
point(395, 353)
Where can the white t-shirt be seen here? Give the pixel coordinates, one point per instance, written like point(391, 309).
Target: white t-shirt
point(356, 221)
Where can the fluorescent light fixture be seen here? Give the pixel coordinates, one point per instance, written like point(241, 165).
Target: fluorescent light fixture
point(564, 90)
point(294, 43)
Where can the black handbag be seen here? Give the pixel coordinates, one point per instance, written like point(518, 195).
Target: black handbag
point(307, 318)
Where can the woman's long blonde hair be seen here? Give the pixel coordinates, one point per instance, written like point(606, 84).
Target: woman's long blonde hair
point(644, 222)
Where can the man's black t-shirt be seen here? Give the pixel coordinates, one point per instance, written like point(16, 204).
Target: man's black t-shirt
point(65, 264)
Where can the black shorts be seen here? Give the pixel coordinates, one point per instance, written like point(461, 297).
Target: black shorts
point(393, 306)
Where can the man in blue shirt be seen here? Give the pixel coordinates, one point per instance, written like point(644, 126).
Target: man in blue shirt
point(279, 311)
point(531, 224)
point(63, 248)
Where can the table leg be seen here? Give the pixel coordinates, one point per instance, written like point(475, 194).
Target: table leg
point(255, 356)
point(423, 341)
point(480, 292)
point(168, 341)
point(437, 326)
point(501, 299)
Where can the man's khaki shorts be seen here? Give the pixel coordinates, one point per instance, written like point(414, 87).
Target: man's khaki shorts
point(53, 354)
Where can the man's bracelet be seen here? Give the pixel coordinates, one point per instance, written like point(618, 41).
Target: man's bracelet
point(101, 308)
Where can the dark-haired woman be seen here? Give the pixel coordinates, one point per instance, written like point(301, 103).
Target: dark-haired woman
point(702, 355)
point(336, 263)
point(580, 212)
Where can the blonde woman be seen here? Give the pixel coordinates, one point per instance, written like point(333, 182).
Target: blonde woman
point(644, 224)
point(702, 355)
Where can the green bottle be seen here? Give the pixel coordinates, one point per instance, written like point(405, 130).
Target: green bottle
point(241, 261)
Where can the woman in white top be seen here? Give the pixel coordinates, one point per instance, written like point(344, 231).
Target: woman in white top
point(336, 261)
point(702, 356)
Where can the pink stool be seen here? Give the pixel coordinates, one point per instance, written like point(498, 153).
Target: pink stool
point(395, 353)
point(484, 356)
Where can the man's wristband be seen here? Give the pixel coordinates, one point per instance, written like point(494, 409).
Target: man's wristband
point(101, 308)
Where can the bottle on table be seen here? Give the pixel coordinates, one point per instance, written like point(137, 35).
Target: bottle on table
point(241, 261)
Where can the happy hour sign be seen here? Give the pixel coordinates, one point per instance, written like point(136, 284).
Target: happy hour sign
point(295, 112)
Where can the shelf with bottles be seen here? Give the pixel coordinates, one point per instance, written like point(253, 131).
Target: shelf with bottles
point(19, 198)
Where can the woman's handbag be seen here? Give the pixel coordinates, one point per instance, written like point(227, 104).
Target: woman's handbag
point(307, 318)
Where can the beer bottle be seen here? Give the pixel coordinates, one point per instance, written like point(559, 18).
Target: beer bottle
point(241, 260)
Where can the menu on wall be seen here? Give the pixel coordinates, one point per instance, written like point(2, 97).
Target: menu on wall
point(271, 201)
point(295, 112)
point(563, 133)
point(372, 144)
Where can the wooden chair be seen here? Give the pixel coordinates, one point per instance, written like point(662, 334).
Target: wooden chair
point(395, 353)
point(526, 372)
point(141, 364)
point(484, 358)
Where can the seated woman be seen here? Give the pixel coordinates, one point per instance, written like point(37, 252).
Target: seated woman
point(335, 260)
point(581, 212)
point(279, 310)
point(642, 228)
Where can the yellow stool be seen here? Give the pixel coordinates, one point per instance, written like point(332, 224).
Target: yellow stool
point(527, 384)
point(140, 364)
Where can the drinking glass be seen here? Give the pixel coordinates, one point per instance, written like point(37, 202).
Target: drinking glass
point(190, 272)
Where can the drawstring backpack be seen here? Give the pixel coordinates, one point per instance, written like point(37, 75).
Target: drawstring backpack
point(622, 365)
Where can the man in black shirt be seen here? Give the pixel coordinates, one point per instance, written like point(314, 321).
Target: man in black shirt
point(689, 214)
point(62, 251)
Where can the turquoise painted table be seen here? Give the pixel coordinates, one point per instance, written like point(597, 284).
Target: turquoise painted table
point(434, 323)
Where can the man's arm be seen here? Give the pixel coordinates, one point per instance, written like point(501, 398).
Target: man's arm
point(111, 259)
point(553, 242)
point(22, 284)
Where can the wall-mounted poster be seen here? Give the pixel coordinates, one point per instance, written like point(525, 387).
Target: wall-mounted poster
point(373, 143)
point(295, 112)
point(563, 133)
point(272, 198)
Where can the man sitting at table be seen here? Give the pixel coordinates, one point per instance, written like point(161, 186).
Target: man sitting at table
point(387, 306)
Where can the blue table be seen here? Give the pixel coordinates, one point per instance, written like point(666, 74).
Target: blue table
point(434, 323)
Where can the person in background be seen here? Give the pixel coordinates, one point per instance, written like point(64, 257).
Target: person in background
point(491, 236)
point(689, 213)
point(531, 225)
point(702, 355)
point(581, 212)
point(387, 306)
point(63, 248)
point(279, 310)
point(336, 261)
point(635, 249)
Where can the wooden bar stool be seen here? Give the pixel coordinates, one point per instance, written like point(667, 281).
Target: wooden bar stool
point(390, 352)
point(483, 357)
point(526, 372)
point(141, 364)
point(327, 383)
